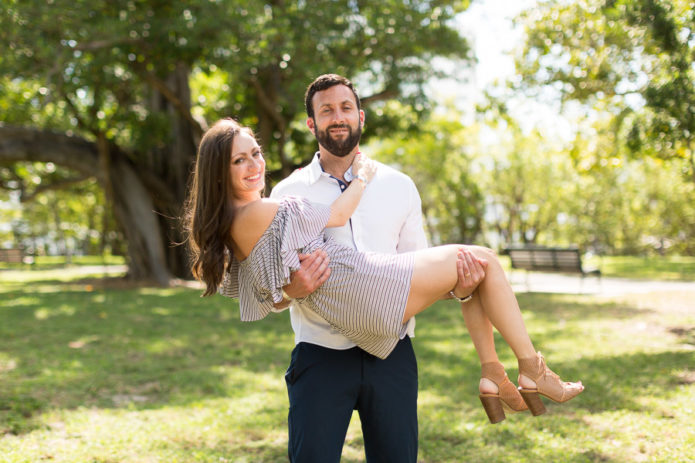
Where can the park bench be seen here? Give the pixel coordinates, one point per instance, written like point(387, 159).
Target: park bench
point(542, 259)
point(14, 256)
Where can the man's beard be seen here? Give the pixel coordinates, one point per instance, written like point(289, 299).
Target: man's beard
point(340, 148)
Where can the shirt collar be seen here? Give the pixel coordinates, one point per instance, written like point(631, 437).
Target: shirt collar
point(316, 170)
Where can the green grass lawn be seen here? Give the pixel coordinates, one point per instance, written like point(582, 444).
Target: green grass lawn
point(54, 262)
point(96, 371)
point(670, 268)
point(660, 268)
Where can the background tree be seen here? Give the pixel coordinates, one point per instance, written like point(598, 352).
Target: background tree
point(632, 57)
point(60, 212)
point(120, 91)
point(435, 154)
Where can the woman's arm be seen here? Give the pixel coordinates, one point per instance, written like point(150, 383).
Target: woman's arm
point(363, 170)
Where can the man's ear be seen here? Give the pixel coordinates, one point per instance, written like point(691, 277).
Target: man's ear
point(310, 124)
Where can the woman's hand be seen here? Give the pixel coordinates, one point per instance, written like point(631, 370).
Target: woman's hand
point(342, 208)
point(363, 167)
point(471, 271)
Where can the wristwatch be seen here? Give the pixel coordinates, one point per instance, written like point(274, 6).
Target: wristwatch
point(363, 178)
point(461, 299)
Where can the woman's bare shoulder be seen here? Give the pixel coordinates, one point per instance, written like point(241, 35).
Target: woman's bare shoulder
point(251, 221)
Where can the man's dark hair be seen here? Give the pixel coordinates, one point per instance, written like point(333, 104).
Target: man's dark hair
point(324, 82)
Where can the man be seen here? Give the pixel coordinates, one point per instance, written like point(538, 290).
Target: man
point(329, 376)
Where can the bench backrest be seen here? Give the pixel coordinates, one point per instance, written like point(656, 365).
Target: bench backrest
point(13, 256)
point(545, 258)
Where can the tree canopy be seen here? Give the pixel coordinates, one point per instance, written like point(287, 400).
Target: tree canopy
point(634, 57)
point(120, 91)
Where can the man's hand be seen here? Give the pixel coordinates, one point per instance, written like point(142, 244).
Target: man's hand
point(471, 271)
point(313, 272)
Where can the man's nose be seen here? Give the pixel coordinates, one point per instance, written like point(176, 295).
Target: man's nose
point(338, 117)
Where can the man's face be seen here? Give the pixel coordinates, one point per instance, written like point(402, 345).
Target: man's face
point(337, 123)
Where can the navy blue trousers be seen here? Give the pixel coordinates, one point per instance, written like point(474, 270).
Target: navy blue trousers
point(326, 385)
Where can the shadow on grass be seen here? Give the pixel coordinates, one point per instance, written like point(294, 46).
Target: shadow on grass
point(75, 344)
point(68, 345)
point(555, 306)
point(448, 362)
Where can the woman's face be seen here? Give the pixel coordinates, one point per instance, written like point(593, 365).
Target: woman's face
point(247, 168)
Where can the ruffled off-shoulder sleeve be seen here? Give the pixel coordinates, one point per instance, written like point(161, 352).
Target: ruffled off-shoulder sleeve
point(230, 281)
point(304, 222)
point(258, 280)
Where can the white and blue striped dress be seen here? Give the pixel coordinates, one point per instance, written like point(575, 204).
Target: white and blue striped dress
point(364, 298)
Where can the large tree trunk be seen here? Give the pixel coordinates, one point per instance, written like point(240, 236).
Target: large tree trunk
point(172, 164)
point(131, 199)
point(135, 212)
point(272, 124)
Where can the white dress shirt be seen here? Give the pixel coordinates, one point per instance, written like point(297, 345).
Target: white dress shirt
point(388, 219)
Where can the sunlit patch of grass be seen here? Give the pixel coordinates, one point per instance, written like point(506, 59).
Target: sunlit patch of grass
point(89, 373)
point(652, 267)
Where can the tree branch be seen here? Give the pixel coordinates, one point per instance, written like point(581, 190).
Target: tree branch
point(65, 183)
point(105, 43)
point(381, 96)
point(30, 144)
point(171, 97)
point(268, 105)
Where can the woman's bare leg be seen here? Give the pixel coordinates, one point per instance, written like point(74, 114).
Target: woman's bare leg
point(480, 330)
point(435, 274)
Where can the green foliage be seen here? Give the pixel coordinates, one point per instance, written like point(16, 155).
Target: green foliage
point(92, 62)
point(530, 188)
point(139, 80)
point(58, 212)
point(635, 54)
point(435, 155)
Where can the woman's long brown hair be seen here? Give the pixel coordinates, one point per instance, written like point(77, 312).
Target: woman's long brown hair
point(208, 212)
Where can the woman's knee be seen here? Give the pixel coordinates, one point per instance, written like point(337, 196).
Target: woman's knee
point(483, 252)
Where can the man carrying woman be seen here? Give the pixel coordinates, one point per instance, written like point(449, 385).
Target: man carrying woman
point(352, 349)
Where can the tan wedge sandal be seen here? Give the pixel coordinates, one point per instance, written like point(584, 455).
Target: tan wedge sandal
point(548, 384)
point(507, 398)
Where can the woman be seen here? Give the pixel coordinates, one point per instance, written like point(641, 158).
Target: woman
point(254, 242)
